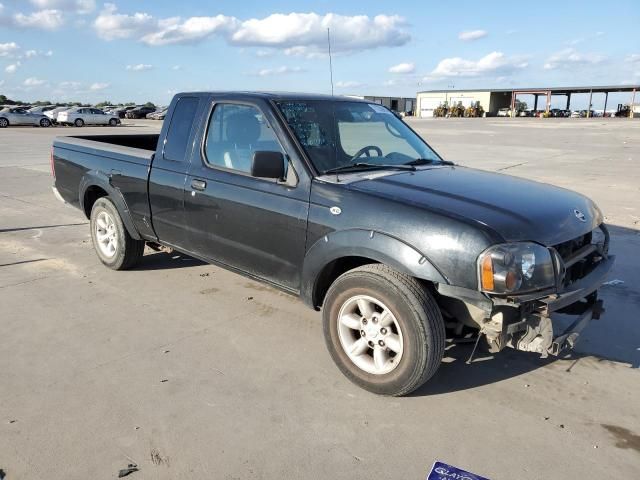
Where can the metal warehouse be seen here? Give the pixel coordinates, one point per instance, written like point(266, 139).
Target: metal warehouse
point(493, 100)
point(397, 104)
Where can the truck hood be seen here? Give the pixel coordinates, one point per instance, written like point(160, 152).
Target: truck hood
point(516, 209)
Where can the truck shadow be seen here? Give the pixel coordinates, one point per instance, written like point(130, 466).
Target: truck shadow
point(455, 374)
point(166, 261)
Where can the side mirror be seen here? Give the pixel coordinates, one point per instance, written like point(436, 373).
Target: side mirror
point(267, 165)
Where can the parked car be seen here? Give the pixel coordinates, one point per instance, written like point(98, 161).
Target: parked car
point(41, 109)
point(21, 116)
point(86, 116)
point(158, 114)
point(338, 202)
point(120, 112)
point(504, 112)
point(53, 114)
point(139, 112)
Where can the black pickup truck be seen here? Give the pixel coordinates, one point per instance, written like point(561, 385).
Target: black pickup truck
point(339, 202)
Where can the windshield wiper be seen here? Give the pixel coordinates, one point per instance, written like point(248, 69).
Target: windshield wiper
point(354, 167)
point(428, 161)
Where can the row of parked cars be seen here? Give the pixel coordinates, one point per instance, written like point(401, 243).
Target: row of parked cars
point(45, 116)
point(554, 112)
point(137, 112)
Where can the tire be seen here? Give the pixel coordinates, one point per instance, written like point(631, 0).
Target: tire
point(79, 122)
point(4, 123)
point(45, 122)
point(113, 122)
point(106, 222)
point(414, 340)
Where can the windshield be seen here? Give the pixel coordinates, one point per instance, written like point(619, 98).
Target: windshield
point(340, 134)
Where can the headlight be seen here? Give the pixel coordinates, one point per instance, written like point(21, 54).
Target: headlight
point(515, 268)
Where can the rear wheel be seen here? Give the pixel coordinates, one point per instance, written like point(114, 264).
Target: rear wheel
point(4, 123)
point(79, 122)
point(383, 329)
point(111, 241)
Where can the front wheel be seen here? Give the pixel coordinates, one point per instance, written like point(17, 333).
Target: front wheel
point(383, 329)
point(45, 122)
point(113, 122)
point(79, 122)
point(111, 241)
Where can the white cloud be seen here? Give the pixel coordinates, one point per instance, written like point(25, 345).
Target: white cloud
point(570, 58)
point(264, 53)
point(633, 58)
point(76, 6)
point(13, 68)
point(71, 85)
point(265, 72)
point(348, 84)
point(471, 35)
point(33, 82)
point(7, 49)
point(307, 32)
point(402, 68)
point(140, 67)
point(94, 87)
point(111, 25)
point(494, 62)
point(37, 53)
point(43, 19)
point(176, 67)
point(174, 31)
point(295, 33)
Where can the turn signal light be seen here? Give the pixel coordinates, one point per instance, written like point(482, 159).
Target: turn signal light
point(487, 273)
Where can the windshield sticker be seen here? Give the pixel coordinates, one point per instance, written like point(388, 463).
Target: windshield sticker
point(442, 471)
point(379, 109)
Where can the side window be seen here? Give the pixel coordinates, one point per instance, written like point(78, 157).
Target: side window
point(175, 146)
point(235, 132)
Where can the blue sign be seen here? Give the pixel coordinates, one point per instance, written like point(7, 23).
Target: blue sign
point(442, 471)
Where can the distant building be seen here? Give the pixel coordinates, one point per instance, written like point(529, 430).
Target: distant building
point(397, 104)
point(493, 100)
point(490, 100)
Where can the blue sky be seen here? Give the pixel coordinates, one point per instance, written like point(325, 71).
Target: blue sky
point(139, 50)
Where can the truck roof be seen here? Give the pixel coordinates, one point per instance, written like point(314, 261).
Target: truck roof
point(276, 95)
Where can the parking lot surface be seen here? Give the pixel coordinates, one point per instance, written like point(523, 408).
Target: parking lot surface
point(190, 371)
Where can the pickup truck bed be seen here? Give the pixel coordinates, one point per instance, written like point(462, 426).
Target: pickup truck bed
point(121, 162)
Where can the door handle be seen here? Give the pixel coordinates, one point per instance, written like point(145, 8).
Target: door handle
point(198, 184)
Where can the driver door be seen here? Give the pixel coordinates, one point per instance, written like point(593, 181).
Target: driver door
point(254, 225)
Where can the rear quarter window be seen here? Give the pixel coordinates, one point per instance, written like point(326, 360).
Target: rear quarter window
point(175, 146)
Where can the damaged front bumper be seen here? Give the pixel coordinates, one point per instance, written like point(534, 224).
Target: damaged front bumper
point(532, 325)
point(532, 322)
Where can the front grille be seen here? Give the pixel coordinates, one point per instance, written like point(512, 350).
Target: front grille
point(581, 255)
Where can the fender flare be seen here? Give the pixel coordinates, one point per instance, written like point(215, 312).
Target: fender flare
point(96, 178)
point(377, 246)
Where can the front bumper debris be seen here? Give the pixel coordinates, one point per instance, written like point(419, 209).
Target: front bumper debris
point(536, 326)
